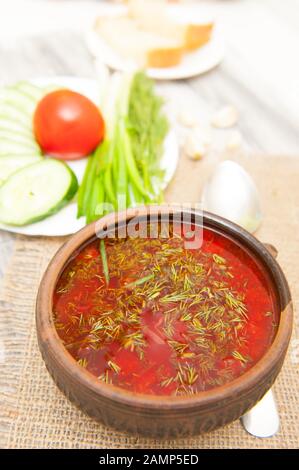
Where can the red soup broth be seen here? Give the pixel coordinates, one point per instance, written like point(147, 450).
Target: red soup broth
point(153, 317)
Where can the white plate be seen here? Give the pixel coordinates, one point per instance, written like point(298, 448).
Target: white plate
point(65, 222)
point(193, 63)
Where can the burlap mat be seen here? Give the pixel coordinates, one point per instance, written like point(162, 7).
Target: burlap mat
point(35, 414)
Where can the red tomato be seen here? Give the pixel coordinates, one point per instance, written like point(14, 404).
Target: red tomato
point(68, 125)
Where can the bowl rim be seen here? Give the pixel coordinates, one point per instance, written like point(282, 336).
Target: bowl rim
point(48, 336)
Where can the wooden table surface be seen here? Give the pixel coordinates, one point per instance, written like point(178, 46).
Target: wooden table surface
point(259, 75)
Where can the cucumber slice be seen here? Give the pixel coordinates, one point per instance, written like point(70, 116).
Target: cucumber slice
point(18, 98)
point(9, 165)
point(36, 192)
point(18, 137)
point(34, 91)
point(12, 112)
point(15, 126)
point(9, 147)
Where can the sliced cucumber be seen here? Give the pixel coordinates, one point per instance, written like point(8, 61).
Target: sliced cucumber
point(18, 103)
point(13, 113)
point(15, 126)
point(19, 137)
point(9, 165)
point(36, 192)
point(10, 147)
point(34, 91)
point(18, 98)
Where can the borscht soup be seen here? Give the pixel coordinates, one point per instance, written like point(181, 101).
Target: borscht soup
point(154, 317)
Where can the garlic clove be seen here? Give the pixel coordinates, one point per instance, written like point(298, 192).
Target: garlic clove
point(234, 141)
point(225, 117)
point(232, 193)
point(196, 146)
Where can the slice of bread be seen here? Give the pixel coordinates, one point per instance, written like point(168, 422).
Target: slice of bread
point(197, 35)
point(181, 22)
point(146, 48)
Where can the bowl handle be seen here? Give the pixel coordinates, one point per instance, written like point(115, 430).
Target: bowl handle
point(271, 249)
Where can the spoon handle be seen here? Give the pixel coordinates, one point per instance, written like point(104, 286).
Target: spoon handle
point(263, 419)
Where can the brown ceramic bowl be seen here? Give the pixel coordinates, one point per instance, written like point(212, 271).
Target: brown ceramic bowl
point(162, 417)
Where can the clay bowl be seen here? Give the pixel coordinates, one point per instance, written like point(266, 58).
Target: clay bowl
point(162, 417)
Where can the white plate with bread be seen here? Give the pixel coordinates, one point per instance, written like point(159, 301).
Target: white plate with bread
point(169, 41)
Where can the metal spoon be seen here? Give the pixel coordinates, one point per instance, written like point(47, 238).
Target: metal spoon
point(263, 419)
